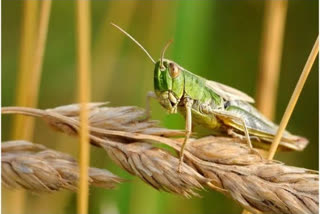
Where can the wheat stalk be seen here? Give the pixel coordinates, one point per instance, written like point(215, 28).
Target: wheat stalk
point(36, 168)
point(224, 164)
point(294, 98)
point(84, 66)
point(271, 52)
point(32, 45)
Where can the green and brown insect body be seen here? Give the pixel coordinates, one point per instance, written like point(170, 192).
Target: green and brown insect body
point(173, 84)
point(213, 105)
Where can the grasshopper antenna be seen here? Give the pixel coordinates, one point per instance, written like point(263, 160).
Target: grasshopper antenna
point(164, 50)
point(127, 34)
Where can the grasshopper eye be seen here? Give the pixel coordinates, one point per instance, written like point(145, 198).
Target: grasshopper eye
point(174, 70)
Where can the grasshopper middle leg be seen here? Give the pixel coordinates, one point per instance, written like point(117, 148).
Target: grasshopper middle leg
point(188, 106)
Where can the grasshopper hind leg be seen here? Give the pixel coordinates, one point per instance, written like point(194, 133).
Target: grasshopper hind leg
point(228, 115)
point(231, 132)
point(188, 106)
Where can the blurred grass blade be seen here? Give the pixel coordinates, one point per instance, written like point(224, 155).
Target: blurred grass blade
point(83, 60)
point(23, 127)
point(34, 83)
point(271, 52)
point(294, 98)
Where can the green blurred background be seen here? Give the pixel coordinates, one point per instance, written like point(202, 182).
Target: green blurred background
point(219, 40)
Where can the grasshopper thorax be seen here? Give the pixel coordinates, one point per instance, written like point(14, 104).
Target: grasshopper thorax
point(168, 84)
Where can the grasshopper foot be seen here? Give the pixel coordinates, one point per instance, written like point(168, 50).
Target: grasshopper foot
point(255, 152)
point(182, 151)
point(232, 133)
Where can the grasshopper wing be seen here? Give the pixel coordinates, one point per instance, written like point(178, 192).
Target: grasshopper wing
point(259, 126)
point(227, 92)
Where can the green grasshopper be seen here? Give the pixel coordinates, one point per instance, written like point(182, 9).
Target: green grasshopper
point(213, 105)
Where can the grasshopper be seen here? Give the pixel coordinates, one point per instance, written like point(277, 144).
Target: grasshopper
point(223, 109)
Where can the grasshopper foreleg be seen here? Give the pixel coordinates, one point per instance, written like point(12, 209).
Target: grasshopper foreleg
point(150, 95)
point(188, 105)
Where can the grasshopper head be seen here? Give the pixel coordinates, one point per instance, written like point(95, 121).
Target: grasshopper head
point(168, 84)
point(168, 77)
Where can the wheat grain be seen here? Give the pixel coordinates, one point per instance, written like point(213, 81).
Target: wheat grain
point(39, 169)
point(224, 164)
